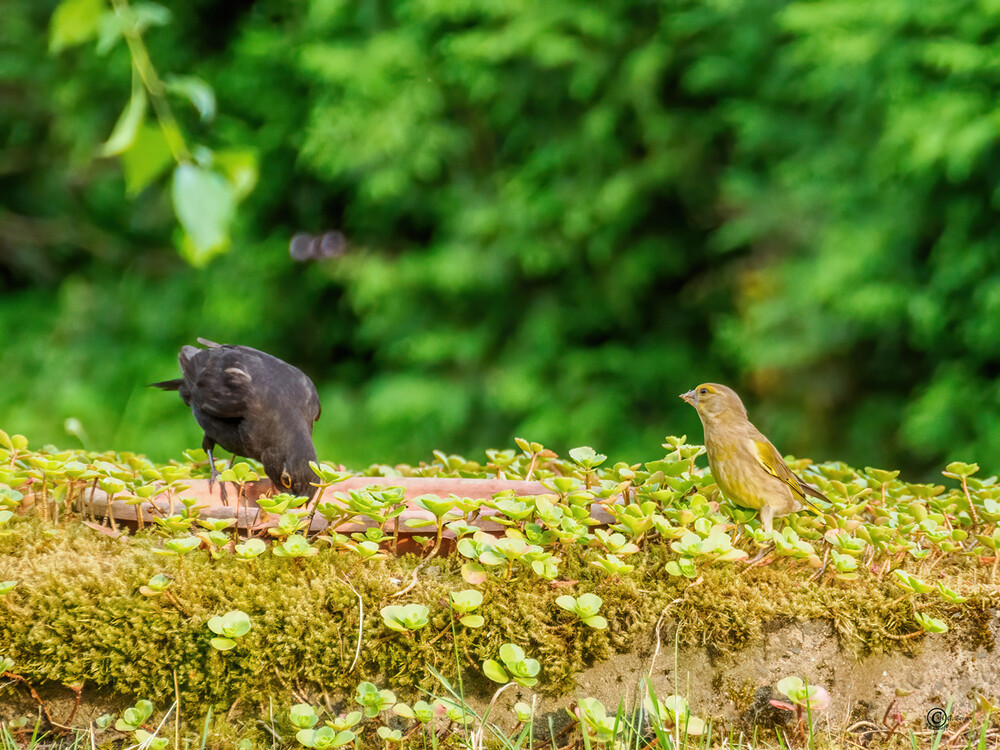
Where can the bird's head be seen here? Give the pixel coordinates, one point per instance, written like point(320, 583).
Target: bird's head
point(289, 470)
point(298, 481)
point(713, 402)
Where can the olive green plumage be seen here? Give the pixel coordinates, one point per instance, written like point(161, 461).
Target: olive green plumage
point(747, 468)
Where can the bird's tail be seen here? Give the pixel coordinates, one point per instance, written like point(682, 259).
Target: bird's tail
point(810, 505)
point(807, 490)
point(168, 385)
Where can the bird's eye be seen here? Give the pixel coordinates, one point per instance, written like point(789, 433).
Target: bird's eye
point(286, 479)
point(703, 390)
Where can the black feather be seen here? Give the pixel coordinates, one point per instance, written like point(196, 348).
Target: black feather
point(253, 405)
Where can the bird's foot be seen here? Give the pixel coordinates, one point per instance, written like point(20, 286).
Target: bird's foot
point(759, 558)
point(213, 477)
point(213, 473)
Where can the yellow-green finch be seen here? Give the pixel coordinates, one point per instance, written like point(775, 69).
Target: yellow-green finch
point(747, 468)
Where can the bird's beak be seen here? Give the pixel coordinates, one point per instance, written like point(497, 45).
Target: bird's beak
point(690, 397)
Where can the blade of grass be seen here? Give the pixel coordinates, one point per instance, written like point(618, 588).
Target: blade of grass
point(583, 728)
point(458, 664)
point(204, 731)
point(809, 718)
point(177, 700)
point(981, 745)
point(940, 733)
point(460, 701)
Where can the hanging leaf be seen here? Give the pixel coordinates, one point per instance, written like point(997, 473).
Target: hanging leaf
point(241, 169)
point(149, 14)
point(196, 91)
point(123, 136)
point(139, 17)
point(109, 33)
point(75, 22)
point(147, 158)
point(204, 204)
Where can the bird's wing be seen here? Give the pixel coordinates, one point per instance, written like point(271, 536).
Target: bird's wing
point(222, 383)
point(769, 458)
point(314, 401)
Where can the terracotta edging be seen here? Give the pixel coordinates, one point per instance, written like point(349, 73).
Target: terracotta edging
point(251, 515)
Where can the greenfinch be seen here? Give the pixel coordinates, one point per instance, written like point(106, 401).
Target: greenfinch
point(747, 468)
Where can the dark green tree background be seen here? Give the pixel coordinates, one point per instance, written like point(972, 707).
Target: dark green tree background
point(559, 217)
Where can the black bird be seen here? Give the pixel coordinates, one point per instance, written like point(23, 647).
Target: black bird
point(253, 405)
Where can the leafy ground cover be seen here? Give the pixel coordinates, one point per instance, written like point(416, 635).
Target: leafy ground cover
point(333, 641)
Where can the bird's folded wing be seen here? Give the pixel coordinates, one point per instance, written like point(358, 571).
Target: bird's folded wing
point(769, 458)
point(314, 401)
point(224, 386)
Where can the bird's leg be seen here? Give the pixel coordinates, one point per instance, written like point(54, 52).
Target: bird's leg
point(761, 555)
point(767, 522)
point(314, 501)
point(208, 444)
point(239, 494)
point(767, 519)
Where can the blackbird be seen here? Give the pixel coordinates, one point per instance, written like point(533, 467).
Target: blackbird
point(253, 405)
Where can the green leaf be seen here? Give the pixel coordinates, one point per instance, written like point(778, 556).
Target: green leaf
point(466, 601)
point(511, 653)
point(931, 624)
point(223, 644)
point(195, 90)
point(250, 549)
point(588, 604)
point(473, 573)
point(204, 204)
point(302, 716)
point(146, 159)
point(75, 22)
point(134, 716)
point(960, 469)
point(233, 624)
point(493, 670)
point(127, 127)
point(145, 15)
point(566, 602)
point(240, 168)
point(791, 686)
point(109, 33)
point(587, 456)
point(150, 741)
point(405, 618)
point(694, 725)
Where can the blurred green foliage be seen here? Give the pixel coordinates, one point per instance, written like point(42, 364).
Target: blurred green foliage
point(559, 217)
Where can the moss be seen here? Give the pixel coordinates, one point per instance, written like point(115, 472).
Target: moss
point(741, 694)
point(77, 616)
